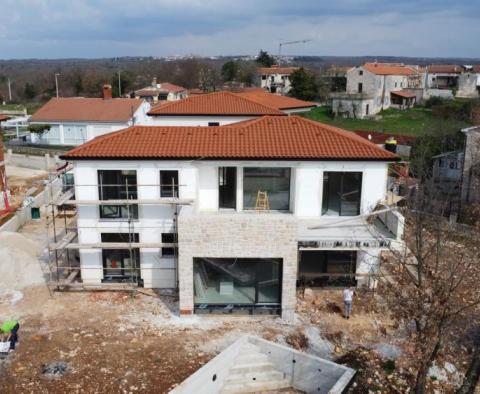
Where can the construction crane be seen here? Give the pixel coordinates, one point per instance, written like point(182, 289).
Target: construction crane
point(289, 43)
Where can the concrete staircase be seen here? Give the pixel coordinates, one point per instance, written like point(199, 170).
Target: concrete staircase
point(253, 373)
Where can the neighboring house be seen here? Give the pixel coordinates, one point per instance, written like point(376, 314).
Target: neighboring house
point(374, 87)
point(164, 91)
point(447, 171)
point(275, 79)
point(471, 166)
point(286, 104)
point(404, 143)
point(449, 80)
point(75, 120)
point(211, 109)
point(183, 211)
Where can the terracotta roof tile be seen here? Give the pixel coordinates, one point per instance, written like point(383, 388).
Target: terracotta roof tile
point(444, 69)
point(388, 69)
point(404, 93)
point(3, 117)
point(80, 109)
point(265, 138)
point(218, 103)
point(165, 87)
point(275, 100)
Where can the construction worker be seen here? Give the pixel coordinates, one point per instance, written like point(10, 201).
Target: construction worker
point(9, 331)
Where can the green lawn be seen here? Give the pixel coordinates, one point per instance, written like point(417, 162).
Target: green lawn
point(415, 121)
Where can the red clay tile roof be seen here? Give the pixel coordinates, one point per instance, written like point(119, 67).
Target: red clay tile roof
point(3, 117)
point(165, 87)
point(275, 100)
point(388, 69)
point(264, 138)
point(404, 93)
point(378, 137)
point(276, 70)
point(218, 103)
point(444, 69)
point(80, 109)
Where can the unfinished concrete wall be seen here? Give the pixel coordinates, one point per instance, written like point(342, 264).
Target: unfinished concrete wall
point(233, 235)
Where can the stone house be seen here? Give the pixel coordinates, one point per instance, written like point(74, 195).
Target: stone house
point(275, 79)
point(233, 216)
point(450, 80)
point(374, 87)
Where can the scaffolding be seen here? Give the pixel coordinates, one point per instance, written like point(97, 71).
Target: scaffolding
point(62, 231)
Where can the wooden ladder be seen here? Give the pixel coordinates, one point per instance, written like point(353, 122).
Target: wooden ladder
point(262, 203)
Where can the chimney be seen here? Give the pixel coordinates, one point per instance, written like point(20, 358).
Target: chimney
point(154, 82)
point(107, 92)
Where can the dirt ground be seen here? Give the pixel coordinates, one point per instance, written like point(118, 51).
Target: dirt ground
point(116, 342)
point(20, 179)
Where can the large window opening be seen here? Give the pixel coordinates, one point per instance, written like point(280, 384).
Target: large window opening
point(227, 187)
point(341, 193)
point(327, 268)
point(168, 183)
point(229, 284)
point(121, 264)
point(118, 185)
point(169, 238)
point(274, 181)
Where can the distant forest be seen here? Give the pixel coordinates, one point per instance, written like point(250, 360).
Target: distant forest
point(33, 80)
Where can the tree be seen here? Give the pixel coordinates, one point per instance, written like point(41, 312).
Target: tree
point(304, 85)
point(265, 59)
point(38, 129)
point(126, 81)
point(230, 71)
point(472, 377)
point(29, 91)
point(432, 283)
point(77, 84)
point(208, 79)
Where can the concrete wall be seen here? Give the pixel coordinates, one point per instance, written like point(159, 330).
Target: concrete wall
point(23, 214)
point(467, 86)
point(248, 235)
point(45, 162)
point(471, 167)
point(305, 372)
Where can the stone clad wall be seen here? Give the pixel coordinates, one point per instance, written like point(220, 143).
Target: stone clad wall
point(261, 235)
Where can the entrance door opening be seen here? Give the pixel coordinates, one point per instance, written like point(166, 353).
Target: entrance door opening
point(319, 268)
point(227, 187)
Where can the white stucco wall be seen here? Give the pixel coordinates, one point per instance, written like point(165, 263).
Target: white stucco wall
point(194, 120)
point(199, 180)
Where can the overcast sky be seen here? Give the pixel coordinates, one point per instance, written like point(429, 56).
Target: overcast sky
point(109, 28)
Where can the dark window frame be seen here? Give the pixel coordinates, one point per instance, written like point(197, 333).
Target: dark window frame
point(327, 184)
point(169, 238)
point(168, 189)
point(114, 190)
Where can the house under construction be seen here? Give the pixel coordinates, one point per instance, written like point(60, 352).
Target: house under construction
point(234, 217)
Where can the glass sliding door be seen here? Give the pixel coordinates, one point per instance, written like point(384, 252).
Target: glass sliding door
point(342, 192)
point(237, 283)
point(275, 181)
point(327, 267)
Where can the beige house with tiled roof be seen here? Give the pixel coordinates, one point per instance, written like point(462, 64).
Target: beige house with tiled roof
point(275, 79)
